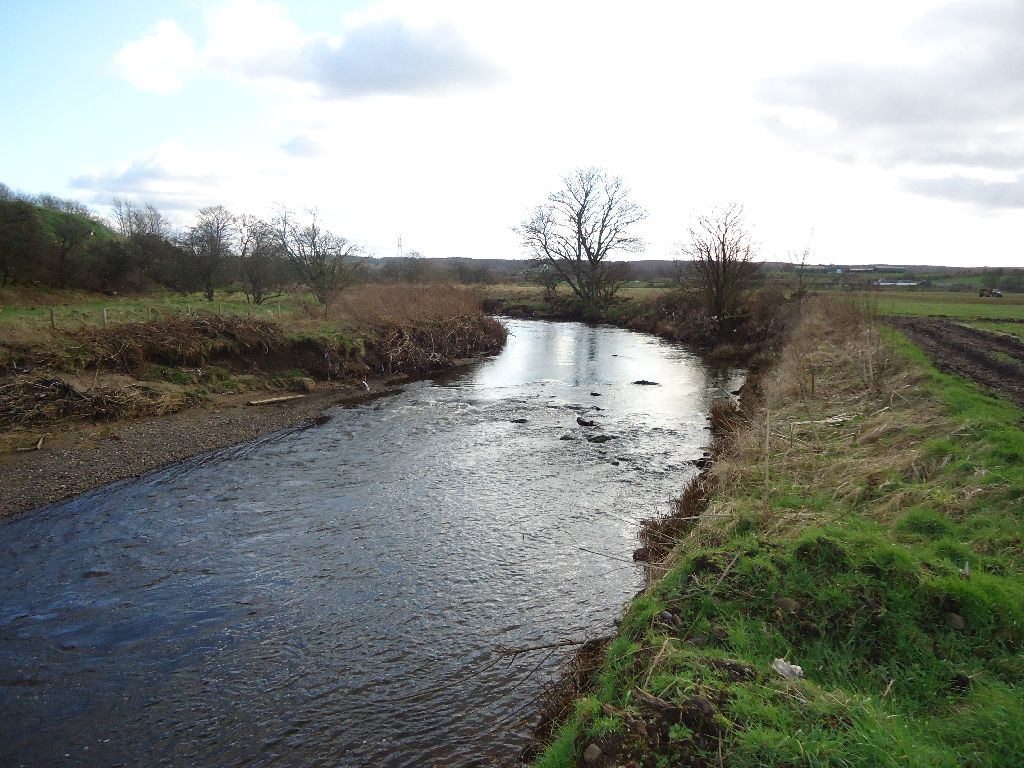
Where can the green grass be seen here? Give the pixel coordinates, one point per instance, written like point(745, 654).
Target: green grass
point(965, 306)
point(906, 662)
point(77, 308)
point(1013, 329)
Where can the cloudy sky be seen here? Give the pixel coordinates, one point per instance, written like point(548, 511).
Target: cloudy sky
point(872, 131)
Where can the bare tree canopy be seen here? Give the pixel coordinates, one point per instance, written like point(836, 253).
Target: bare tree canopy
point(324, 261)
point(261, 259)
point(722, 255)
point(579, 227)
point(209, 243)
point(132, 221)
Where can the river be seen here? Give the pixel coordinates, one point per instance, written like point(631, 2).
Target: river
point(338, 595)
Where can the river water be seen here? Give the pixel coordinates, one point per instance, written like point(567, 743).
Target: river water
point(339, 595)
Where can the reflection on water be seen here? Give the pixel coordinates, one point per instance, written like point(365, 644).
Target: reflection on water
point(336, 595)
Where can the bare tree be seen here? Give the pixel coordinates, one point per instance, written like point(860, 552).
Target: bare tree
point(543, 274)
point(208, 244)
point(579, 227)
point(326, 262)
point(799, 260)
point(132, 221)
point(260, 258)
point(721, 257)
point(64, 205)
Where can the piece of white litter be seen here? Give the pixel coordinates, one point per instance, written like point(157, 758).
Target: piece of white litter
point(787, 670)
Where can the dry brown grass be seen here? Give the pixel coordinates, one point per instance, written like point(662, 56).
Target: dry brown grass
point(837, 419)
point(30, 401)
point(402, 304)
point(25, 332)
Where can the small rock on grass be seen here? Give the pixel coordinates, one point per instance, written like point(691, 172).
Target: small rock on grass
point(786, 604)
point(787, 670)
point(591, 754)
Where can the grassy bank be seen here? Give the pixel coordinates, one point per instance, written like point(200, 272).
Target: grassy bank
point(863, 523)
point(88, 372)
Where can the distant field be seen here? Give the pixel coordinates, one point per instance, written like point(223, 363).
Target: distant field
point(961, 306)
point(25, 314)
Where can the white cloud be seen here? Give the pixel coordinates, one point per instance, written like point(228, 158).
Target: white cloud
point(954, 108)
point(159, 60)
point(259, 40)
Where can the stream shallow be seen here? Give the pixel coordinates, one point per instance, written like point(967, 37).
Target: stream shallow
point(337, 595)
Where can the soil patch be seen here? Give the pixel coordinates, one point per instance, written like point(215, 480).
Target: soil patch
point(990, 359)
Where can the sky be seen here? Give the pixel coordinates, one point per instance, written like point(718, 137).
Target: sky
point(870, 132)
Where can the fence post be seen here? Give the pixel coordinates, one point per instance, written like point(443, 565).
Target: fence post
point(104, 317)
point(53, 319)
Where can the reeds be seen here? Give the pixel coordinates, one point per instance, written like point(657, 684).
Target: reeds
point(403, 304)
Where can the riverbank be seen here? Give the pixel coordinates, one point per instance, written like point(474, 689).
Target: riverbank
point(749, 338)
point(92, 405)
point(843, 586)
point(80, 458)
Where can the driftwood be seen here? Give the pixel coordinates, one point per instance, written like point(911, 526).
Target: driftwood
point(36, 447)
point(267, 400)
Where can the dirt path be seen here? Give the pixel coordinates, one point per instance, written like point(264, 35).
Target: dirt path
point(90, 456)
point(991, 359)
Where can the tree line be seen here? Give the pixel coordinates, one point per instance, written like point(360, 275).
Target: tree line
point(50, 241)
point(63, 244)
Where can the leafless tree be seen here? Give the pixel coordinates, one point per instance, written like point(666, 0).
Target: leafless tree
point(326, 262)
point(209, 244)
point(721, 259)
point(543, 274)
point(64, 205)
point(799, 260)
point(579, 227)
point(261, 259)
point(133, 221)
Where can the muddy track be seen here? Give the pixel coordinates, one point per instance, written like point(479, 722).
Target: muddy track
point(993, 360)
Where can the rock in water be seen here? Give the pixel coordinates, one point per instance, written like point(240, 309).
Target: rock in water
point(599, 439)
point(584, 423)
point(646, 383)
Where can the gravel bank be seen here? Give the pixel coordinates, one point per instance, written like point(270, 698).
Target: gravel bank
point(92, 456)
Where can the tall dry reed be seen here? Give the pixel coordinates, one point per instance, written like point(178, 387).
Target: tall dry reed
point(403, 304)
